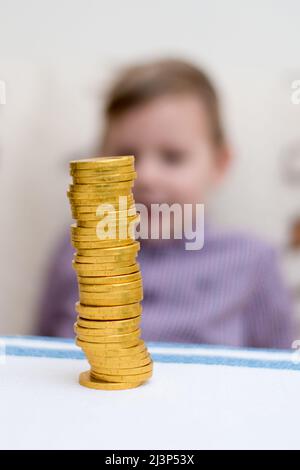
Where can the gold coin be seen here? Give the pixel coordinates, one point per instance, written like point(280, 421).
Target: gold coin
point(101, 255)
point(111, 198)
point(105, 171)
point(107, 272)
point(120, 261)
point(99, 179)
point(100, 359)
point(113, 350)
point(108, 242)
point(115, 214)
point(113, 178)
point(99, 197)
point(115, 296)
point(112, 219)
point(108, 232)
point(108, 324)
point(86, 380)
point(116, 312)
point(89, 267)
point(102, 162)
point(103, 194)
point(134, 309)
point(104, 359)
point(108, 332)
point(105, 235)
point(91, 299)
point(88, 302)
point(131, 248)
point(97, 330)
point(83, 207)
point(92, 302)
point(84, 244)
point(113, 202)
point(129, 370)
point(76, 230)
point(110, 280)
point(125, 167)
point(112, 294)
point(95, 188)
point(110, 288)
point(104, 224)
point(121, 377)
point(124, 339)
point(100, 211)
point(97, 245)
point(104, 331)
point(103, 347)
point(105, 260)
point(114, 356)
point(127, 206)
point(108, 197)
point(103, 337)
point(106, 264)
point(139, 360)
point(111, 299)
point(109, 316)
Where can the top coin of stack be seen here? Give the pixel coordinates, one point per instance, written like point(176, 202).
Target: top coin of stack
point(109, 278)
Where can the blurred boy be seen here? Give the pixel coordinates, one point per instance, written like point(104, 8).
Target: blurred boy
point(166, 113)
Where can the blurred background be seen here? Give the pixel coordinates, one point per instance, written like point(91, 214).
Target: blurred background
point(57, 57)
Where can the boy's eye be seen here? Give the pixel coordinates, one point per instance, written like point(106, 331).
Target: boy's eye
point(172, 157)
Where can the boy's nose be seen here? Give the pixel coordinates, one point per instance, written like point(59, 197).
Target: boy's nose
point(147, 172)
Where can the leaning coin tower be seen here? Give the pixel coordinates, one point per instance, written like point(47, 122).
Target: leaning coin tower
point(109, 278)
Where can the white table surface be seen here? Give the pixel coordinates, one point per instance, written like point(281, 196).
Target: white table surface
point(199, 398)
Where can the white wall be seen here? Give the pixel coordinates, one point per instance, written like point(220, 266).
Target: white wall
point(55, 56)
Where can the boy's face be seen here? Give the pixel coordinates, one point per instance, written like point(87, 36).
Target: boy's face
point(176, 160)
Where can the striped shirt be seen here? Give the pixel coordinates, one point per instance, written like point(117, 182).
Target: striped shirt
point(228, 293)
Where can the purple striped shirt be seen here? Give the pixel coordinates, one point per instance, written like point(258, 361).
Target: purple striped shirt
point(228, 293)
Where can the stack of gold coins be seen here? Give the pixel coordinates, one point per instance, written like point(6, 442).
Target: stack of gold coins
point(109, 277)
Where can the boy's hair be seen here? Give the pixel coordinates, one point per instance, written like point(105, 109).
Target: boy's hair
point(138, 84)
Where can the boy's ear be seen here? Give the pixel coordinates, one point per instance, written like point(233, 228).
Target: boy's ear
point(224, 159)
